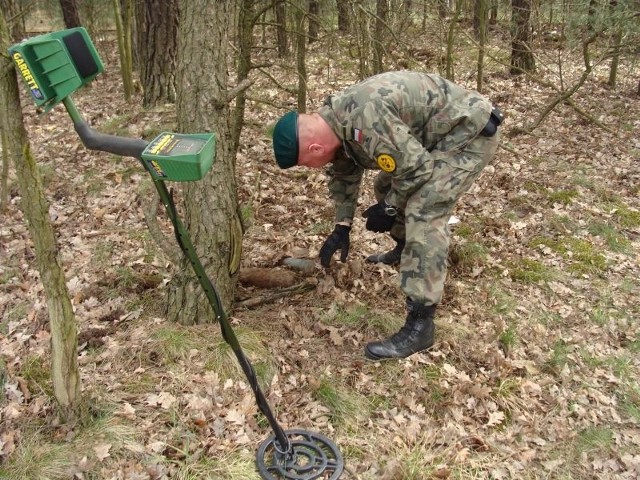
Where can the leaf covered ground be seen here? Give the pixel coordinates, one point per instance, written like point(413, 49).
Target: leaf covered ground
point(534, 372)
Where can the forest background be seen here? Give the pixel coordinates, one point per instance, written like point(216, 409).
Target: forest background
point(534, 372)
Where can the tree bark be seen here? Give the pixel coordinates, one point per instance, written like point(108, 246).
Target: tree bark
point(281, 29)
point(64, 341)
point(344, 15)
point(158, 19)
point(301, 56)
point(124, 49)
point(70, 13)
point(379, 35)
point(15, 13)
point(246, 22)
point(314, 23)
point(211, 205)
point(481, 9)
point(522, 59)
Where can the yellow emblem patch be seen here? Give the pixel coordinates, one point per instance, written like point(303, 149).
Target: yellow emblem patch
point(386, 163)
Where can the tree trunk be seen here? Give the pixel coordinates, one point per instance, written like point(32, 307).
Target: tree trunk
point(301, 57)
point(314, 23)
point(481, 8)
point(64, 341)
point(379, 35)
point(211, 205)
point(70, 13)
point(522, 59)
point(451, 34)
point(158, 19)
point(344, 15)
point(246, 22)
point(4, 175)
point(124, 49)
point(281, 29)
point(493, 13)
point(15, 16)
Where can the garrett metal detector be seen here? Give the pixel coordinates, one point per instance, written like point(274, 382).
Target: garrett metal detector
point(55, 65)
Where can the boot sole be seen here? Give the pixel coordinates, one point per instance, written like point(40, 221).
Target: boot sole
point(372, 356)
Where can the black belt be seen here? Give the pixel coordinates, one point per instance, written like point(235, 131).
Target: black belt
point(495, 120)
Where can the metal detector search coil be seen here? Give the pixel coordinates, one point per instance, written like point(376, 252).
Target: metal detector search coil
point(180, 157)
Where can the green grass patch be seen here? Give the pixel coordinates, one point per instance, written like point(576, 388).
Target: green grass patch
point(535, 187)
point(37, 372)
point(562, 224)
point(616, 241)
point(222, 358)
point(17, 311)
point(559, 356)
point(502, 303)
point(234, 465)
point(35, 458)
point(103, 251)
point(359, 316)
point(626, 217)
point(467, 255)
point(564, 197)
point(345, 407)
point(93, 181)
point(629, 400)
point(39, 456)
point(47, 173)
point(508, 338)
point(581, 254)
point(173, 343)
point(585, 257)
point(526, 270)
point(594, 439)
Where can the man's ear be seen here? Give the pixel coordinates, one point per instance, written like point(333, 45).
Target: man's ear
point(316, 149)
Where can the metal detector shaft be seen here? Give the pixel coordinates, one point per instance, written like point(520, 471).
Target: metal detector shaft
point(130, 147)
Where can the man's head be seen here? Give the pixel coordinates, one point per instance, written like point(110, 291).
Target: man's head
point(306, 140)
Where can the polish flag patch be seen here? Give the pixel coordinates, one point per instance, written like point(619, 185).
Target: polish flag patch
point(357, 135)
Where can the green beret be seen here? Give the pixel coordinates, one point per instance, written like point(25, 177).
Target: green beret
point(285, 140)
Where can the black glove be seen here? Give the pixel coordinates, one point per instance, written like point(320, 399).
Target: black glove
point(338, 240)
point(377, 219)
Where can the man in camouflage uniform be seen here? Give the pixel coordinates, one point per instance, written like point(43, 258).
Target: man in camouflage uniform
point(430, 139)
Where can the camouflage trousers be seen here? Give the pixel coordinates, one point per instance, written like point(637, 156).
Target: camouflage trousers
point(423, 223)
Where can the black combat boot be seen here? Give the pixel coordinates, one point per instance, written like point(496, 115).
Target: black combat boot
point(416, 335)
point(392, 257)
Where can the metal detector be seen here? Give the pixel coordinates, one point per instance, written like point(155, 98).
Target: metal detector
point(55, 65)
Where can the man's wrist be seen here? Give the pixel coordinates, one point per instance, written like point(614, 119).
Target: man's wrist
point(346, 223)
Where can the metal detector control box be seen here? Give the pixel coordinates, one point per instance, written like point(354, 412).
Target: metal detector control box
point(56, 64)
point(180, 157)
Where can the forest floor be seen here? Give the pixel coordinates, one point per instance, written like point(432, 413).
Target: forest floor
point(535, 369)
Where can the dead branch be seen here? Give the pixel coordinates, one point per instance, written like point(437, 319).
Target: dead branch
point(302, 287)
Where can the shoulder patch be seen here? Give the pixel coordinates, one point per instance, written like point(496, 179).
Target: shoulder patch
point(386, 163)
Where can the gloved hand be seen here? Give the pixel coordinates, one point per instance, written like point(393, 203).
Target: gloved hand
point(338, 240)
point(377, 219)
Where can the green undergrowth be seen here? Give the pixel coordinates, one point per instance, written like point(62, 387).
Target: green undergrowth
point(358, 317)
point(582, 256)
point(43, 453)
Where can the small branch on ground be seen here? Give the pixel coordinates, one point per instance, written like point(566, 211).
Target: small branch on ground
point(302, 287)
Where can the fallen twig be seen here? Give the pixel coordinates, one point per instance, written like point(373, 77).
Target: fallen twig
point(302, 287)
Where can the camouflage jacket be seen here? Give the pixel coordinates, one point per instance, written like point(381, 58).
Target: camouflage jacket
point(398, 122)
